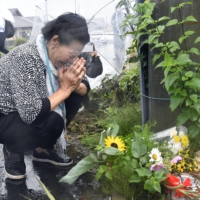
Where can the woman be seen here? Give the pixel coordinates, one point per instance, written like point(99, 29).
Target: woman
point(34, 85)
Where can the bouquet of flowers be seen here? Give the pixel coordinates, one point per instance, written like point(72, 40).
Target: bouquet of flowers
point(137, 165)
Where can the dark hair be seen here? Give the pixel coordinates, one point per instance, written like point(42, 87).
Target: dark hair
point(68, 27)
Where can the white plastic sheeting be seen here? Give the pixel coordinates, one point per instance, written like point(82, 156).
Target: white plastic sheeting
point(104, 23)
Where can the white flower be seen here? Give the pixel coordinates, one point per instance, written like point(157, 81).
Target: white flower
point(173, 133)
point(155, 156)
point(174, 146)
point(181, 133)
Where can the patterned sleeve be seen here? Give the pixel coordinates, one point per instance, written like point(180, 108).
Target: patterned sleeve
point(24, 79)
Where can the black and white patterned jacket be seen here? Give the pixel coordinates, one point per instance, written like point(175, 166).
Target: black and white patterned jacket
point(22, 82)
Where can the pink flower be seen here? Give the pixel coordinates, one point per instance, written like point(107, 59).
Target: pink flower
point(157, 167)
point(176, 159)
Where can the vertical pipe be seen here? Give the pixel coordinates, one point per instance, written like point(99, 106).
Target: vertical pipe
point(46, 10)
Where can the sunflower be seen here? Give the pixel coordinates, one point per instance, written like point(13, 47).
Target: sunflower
point(155, 156)
point(115, 142)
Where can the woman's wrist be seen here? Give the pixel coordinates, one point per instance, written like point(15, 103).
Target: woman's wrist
point(58, 97)
point(81, 90)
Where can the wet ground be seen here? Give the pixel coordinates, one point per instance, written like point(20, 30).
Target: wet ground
point(85, 188)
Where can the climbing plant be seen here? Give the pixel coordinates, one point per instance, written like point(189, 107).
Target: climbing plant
point(181, 72)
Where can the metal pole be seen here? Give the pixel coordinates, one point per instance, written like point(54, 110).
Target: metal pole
point(46, 10)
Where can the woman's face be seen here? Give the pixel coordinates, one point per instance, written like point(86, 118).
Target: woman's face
point(59, 54)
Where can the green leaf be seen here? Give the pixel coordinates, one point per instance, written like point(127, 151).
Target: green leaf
point(115, 130)
point(45, 189)
point(143, 160)
point(112, 151)
point(102, 169)
point(156, 186)
point(98, 175)
point(172, 22)
point(162, 197)
point(188, 102)
point(81, 167)
point(188, 33)
point(194, 97)
point(144, 172)
point(109, 175)
point(183, 93)
point(173, 9)
point(151, 38)
point(193, 83)
point(148, 185)
point(169, 80)
point(166, 71)
point(160, 175)
point(173, 46)
point(134, 163)
point(183, 59)
point(197, 40)
point(189, 74)
point(183, 37)
point(135, 178)
point(195, 51)
point(127, 170)
point(194, 130)
point(161, 28)
point(156, 57)
point(190, 19)
point(157, 46)
point(176, 101)
point(163, 18)
point(182, 118)
point(138, 149)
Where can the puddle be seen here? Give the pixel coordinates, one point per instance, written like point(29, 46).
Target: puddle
point(85, 188)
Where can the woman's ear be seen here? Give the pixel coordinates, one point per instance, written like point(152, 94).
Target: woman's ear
point(55, 40)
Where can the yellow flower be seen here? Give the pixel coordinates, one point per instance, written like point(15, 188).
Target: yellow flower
point(176, 138)
point(185, 141)
point(183, 162)
point(179, 168)
point(186, 155)
point(190, 165)
point(115, 142)
point(195, 163)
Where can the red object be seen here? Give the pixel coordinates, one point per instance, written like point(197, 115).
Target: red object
point(173, 181)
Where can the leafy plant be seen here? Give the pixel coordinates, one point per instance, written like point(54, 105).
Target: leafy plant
point(137, 164)
point(19, 41)
point(126, 158)
point(90, 140)
point(181, 72)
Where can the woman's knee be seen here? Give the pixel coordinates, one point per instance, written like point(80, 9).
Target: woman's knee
point(55, 123)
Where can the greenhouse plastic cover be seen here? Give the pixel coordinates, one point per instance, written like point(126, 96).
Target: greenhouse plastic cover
point(104, 24)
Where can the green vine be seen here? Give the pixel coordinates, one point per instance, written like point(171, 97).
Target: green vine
point(181, 72)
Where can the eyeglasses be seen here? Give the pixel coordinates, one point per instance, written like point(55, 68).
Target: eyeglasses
point(68, 64)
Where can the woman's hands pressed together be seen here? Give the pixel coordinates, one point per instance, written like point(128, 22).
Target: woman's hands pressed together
point(70, 77)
